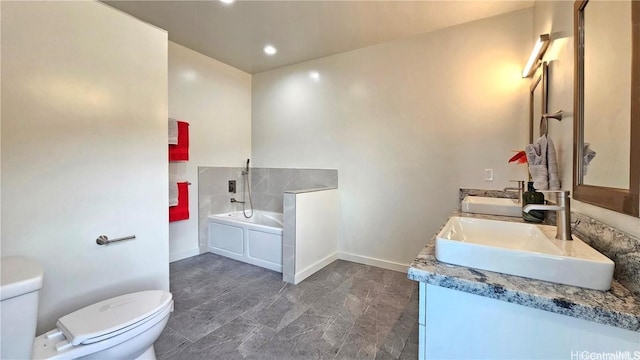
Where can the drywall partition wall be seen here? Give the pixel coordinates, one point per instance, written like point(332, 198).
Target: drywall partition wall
point(310, 232)
point(215, 99)
point(84, 150)
point(556, 18)
point(406, 123)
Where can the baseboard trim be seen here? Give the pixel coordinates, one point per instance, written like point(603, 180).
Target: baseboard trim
point(366, 260)
point(313, 268)
point(309, 270)
point(183, 254)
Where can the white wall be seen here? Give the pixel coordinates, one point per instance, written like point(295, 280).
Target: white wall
point(406, 123)
point(84, 108)
point(556, 18)
point(215, 99)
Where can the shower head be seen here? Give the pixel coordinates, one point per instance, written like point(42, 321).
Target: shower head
point(247, 169)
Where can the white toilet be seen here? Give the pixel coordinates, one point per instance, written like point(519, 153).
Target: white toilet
point(124, 327)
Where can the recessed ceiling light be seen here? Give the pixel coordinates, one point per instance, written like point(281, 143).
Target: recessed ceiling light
point(227, 1)
point(270, 50)
point(314, 75)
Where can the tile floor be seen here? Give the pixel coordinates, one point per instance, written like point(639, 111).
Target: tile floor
point(225, 309)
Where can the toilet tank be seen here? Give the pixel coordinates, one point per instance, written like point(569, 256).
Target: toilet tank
point(20, 283)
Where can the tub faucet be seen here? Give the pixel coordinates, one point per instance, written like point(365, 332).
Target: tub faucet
point(233, 200)
point(519, 189)
point(563, 212)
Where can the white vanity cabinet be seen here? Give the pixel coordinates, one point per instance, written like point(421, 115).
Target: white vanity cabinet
point(459, 325)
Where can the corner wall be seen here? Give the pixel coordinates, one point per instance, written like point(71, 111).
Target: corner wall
point(84, 150)
point(215, 99)
point(406, 123)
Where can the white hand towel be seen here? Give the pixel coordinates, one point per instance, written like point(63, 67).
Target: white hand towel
point(540, 176)
point(552, 165)
point(173, 194)
point(537, 159)
point(173, 131)
point(533, 154)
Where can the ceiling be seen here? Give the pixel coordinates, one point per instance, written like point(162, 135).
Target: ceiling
point(301, 30)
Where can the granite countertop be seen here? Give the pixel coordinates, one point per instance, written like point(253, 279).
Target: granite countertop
point(617, 307)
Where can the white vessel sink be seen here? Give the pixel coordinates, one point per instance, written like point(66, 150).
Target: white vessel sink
point(491, 206)
point(523, 249)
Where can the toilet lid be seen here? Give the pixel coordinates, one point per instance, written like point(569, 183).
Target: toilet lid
point(112, 315)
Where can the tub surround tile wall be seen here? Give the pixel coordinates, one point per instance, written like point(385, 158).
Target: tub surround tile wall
point(619, 246)
point(617, 307)
point(214, 197)
point(267, 188)
point(268, 184)
point(289, 239)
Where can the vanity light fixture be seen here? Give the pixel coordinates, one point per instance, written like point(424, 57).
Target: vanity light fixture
point(227, 2)
point(270, 50)
point(536, 54)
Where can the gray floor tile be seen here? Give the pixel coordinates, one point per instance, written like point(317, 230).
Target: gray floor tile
point(251, 344)
point(410, 351)
point(170, 340)
point(227, 309)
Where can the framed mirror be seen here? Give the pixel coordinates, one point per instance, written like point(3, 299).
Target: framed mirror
point(607, 105)
point(538, 104)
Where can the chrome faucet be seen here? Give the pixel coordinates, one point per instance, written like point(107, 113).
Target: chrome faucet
point(519, 189)
point(563, 212)
point(233, 200)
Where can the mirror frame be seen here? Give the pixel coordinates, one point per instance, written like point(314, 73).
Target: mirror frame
point(540, 80)
point(626, 201)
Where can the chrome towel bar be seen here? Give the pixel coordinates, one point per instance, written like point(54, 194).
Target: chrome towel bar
point(104, 240)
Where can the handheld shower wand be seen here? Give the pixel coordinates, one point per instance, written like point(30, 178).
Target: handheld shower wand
point(247, 186)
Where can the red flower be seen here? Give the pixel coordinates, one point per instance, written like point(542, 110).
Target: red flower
point(519, 158)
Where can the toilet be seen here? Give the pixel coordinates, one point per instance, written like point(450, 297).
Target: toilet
point(123, 327)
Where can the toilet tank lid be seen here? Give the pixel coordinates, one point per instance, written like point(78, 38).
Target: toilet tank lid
point(19, 275)
point(112, 315)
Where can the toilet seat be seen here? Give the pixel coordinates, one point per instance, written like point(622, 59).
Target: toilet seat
point(113, 316)
point(104, 325)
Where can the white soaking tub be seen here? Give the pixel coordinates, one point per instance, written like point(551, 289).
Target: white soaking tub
point(257, 240)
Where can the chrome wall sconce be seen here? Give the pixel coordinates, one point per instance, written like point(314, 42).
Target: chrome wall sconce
point(536, 55)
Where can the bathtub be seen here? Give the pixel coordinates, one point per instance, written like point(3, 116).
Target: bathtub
point(257, 240)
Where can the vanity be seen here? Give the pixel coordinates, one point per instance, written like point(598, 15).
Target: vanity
point(465, 312)
point(469, 313)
